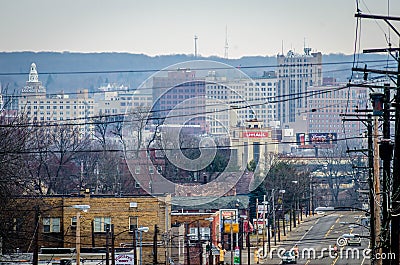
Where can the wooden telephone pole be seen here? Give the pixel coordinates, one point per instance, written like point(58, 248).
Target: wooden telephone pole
point(390, 204)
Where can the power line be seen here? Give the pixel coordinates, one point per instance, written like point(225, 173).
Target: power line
point(288, 97)
point(226, 147)
point(168, 69)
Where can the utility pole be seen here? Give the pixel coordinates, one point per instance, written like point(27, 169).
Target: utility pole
point(112, 245)
point(385, 152)
point(187, 244)
point(376, 193)
point(155, 251)
point(199, 246)
point(134, 246)
point(231, 245)
point(264, 202)
point(273, 215)
point(35, 260)
point(371, 184)
point(370, 151)
point(107, 244)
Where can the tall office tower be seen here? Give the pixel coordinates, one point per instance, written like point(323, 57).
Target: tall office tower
point(179, 99)
point(232, 102)
point(296, 73)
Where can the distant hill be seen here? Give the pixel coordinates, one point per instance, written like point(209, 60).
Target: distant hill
point(14, 68)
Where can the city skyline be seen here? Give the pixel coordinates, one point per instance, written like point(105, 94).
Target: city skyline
point(156, 27)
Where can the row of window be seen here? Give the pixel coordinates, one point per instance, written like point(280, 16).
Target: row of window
point(53, 224)
point(59, 113)
point(49, 118)
point(333, 125)
point(55, 107)
point(258, 84)
point(136, 98)
point(129, 104)
point(60, 102)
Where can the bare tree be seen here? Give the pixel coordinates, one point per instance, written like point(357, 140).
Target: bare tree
point(336, 168)
point(53, 165)
point(15, 144)
point(15, 136)
point(133, 130)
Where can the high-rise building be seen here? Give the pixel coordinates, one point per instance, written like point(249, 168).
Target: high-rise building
point(119, 101)
point(179, 99)
point(231, 103)
point(51, 109)
point(325, 105)
point(296, 73)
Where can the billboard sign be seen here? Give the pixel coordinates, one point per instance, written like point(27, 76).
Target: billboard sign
point(322, 138)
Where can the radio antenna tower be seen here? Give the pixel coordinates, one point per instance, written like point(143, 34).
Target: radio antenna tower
point(226, 43)
point(195, 46)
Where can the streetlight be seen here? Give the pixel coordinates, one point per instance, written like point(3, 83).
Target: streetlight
point(84, 208)
point(140, 230)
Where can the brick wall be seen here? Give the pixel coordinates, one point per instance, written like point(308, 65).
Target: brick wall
point(150, 211)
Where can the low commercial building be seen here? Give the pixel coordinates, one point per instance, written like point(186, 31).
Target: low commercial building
point(55, 221)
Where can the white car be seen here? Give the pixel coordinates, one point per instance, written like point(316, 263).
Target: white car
point(289, 257)
point(352, 239)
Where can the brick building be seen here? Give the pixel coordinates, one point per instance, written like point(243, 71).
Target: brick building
point(57, 222)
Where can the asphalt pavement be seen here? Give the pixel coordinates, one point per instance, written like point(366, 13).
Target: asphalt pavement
point(316, 237)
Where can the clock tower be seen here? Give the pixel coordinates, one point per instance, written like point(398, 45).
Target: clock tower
point(33, 75)
point(33, 86)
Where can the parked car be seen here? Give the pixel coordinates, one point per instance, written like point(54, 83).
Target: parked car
point(289, 257)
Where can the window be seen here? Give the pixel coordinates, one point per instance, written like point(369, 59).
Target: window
point(137, 185)
point(51, 225)
point(17, 224)
point(137, 170)
point(133, 223)
point(193, 233)
point(73, 222)
point(151, 170)
point(204, 233)
point(100, 223)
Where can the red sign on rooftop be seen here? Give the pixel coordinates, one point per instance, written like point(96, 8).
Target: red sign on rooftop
point(256, 134)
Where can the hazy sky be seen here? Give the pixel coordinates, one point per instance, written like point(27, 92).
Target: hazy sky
point(158, 27)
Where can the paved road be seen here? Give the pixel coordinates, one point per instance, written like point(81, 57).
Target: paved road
point(316, 237)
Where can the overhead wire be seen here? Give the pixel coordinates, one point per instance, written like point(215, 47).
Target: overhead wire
point(166, 69)
point(152, 88)
point(168, 149)
point(258, 102)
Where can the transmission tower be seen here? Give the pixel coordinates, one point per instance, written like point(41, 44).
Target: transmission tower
point(226, 43)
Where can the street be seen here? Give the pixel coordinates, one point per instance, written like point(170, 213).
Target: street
point(316, 238)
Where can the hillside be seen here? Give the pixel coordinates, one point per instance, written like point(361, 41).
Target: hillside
point(63, 71)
